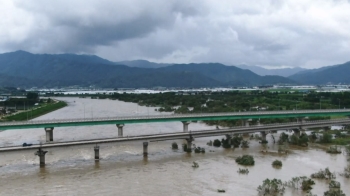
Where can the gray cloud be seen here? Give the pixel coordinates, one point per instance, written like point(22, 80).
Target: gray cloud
point(265, 33)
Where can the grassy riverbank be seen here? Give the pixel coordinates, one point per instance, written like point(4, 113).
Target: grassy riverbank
point(36, 112)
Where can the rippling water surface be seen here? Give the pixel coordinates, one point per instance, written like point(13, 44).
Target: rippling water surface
point(123, 170)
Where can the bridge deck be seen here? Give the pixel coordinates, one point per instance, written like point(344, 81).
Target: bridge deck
point(170, 118)
point(184, 135)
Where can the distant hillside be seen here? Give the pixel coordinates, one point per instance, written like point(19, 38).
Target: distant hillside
point(285, 72)
point(332, 74)
point(229, 75)
point(142, 64)
point(24, 69)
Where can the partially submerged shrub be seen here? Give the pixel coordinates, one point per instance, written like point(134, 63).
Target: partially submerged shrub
point(334, 150)
point(245, 160)
point(226, 143)
point(326, 138)
point(334, 184)
point(245, 144)
point(324, 174)
point(271, 187)
point(346, 172)
point(283, 138)
point(243, 171)
point(174, 146)
point(277, 163)
point(217, 143)
point(236, 141)
point(210, 143)
point(334, 192)
point(199, 150)
point(302, 182)
point(221, 191)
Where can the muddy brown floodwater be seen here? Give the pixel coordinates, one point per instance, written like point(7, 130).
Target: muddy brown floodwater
point(123, 170)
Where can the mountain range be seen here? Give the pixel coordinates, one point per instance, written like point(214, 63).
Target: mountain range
point(23, 69)
point(336, 74)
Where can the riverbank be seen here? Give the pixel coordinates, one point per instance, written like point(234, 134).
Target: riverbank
point(34, 113)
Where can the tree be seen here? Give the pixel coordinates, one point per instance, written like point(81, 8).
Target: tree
point(32, 96)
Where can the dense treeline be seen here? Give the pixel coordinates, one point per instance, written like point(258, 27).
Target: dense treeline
point(238, 101)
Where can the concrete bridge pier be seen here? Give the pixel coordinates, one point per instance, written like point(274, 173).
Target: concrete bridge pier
point(49, 134)
point(247, 122)
point(97, 152)
point(258, 122)
point(41, 153)
point(120, 130)
point(145, 149)
point(263, 136)
point(189, 145)
point(185, 123)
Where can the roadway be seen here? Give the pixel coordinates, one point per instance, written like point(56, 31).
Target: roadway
point(171, 118)
point(187, 135)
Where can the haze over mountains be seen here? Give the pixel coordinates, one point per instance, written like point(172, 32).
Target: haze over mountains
point(23, 69)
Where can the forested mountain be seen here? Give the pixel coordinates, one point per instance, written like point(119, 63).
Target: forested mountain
point(332, 74)
point(229, 75)
point(24, 69)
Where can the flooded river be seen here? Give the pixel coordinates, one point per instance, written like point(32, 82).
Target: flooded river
point(123, 170)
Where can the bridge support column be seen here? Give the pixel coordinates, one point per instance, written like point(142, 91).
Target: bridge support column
point(49, 134)
point(189, 145)
point(145, 149)
point(185, 123)
point(120, 130)
point(247, 122)
point(263, 137)
point(97, 152)
point(41, 153)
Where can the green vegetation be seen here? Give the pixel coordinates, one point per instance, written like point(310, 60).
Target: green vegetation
point(326, 138)
point(245, 160)
point(334, 184)
point(272, 187)
point(300, 141)
point(217, 143)
point(174, 146)
point(334, 192)
point(302, 182)
point(243, 171)
point(39, 111)
point(324, 174)
point(277, 163)
point(199, 150)
point(334, 150)
point(346, 172)
point(245, 144)
point(206, 102)
point(221, 191)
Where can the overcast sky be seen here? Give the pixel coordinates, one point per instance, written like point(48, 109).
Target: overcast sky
point(270, 33)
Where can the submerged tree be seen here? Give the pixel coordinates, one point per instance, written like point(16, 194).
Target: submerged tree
point(245, 160)
point(272, 187)
point(323, 174)
point(277, 163)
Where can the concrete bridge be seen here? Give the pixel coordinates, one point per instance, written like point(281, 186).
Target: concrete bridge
point(189, 136)
point(49, 125)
